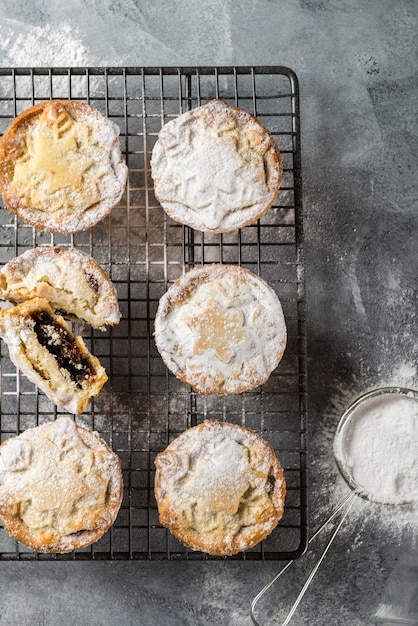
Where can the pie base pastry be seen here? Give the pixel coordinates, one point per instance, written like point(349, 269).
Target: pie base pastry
point(220, 329)
point(60, 487)
point(216, 168)
point(70, 280)
point(43, 347)
point(61, 168)
point(219, 488)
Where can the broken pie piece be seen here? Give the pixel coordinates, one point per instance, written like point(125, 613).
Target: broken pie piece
point(219, 488)
point(70, 280)
point(61, 168)
point(60, 486)
point(43, 347)
point(220, 329)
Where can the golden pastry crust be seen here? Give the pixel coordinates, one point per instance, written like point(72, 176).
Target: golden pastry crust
point(220, 329)
point(60, 487)
point(70, 280)
point(219, 488)
point(216, 168)
point(42, 346)
point(61, 168)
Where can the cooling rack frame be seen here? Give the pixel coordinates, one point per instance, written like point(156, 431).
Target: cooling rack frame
point(143, 406)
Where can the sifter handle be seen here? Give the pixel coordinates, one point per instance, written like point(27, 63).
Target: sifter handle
point(345, 505)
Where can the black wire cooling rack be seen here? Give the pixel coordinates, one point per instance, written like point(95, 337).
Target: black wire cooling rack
point(143, 407)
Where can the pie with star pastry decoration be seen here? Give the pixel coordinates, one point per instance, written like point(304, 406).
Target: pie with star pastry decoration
point(220, 329)
point(61, 168)
point(53, 156)
point(212, 328)
point(216, 168)
point(60, 486)
point(219, 488)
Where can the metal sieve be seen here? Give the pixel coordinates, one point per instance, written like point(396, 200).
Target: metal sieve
point(341, 454)
point(343, 435)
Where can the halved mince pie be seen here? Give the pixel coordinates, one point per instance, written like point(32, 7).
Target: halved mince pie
point(43, 347)
point(71, 280)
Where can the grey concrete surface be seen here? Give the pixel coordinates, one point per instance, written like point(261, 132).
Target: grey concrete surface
point(357, 66)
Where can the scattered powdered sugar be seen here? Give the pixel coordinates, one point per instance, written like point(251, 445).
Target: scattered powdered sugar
point(58, 45)
point(42, 46)
point(212, 477)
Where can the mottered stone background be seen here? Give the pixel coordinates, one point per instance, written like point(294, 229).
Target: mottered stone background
point(357, 66)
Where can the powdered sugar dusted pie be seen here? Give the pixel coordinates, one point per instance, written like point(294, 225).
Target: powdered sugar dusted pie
point(70, 280)
point(61, 168)
point(219, 488)
point(42, 346)
point(60, 487)
point(220, 329)
point(216, 168)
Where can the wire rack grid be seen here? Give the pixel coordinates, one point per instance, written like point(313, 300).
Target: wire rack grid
point(143, 407)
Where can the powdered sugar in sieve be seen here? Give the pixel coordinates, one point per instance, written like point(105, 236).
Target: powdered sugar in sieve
point(376, 446)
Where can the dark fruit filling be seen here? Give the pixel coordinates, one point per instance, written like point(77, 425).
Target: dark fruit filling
point(92, 281)
point(271, 481)
point(59, 342)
